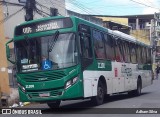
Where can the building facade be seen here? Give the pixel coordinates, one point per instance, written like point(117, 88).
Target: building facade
point(86, 17)
point(139, 26)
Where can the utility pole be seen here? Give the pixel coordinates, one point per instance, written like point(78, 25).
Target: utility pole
point(155, 31)
point(30, 7)
point(157, 35)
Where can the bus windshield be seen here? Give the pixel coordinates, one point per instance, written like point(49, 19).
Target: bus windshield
point(35, 54)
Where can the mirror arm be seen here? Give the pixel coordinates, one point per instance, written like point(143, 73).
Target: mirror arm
point(7, 51)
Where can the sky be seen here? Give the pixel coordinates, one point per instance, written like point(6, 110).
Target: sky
point(114, 7)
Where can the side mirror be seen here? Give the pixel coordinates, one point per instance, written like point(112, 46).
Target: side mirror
point(8, 52)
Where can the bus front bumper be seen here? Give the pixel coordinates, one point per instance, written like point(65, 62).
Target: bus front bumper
point(74, 91)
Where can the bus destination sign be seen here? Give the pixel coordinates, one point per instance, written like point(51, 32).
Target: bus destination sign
point(43, 26)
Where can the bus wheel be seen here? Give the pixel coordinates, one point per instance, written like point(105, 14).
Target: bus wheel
point(54, 104)
point(136, 92)
point(98, 100)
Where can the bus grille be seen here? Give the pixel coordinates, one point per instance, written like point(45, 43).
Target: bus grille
point(43, 76)
point(52, 93)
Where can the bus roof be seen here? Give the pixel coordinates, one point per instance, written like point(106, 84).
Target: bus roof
point(115, 33)
point(126, 37)
point(123, 35)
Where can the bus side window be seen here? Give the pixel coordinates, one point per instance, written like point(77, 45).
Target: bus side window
point(86, 46)
point(126, 52)
point(98, 45)
point(133, 53)
point(118, 51)
point(122, 51)
point(109, 47)
point(148, 55)
point(139, 54)
point(144, 59)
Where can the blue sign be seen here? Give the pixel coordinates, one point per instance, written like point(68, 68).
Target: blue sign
point(46, 64)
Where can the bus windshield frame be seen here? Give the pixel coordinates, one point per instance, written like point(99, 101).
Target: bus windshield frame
point(33, 53)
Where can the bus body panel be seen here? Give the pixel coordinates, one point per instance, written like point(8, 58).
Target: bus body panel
point(55, 88)
point(72, 93)
point(122, 78)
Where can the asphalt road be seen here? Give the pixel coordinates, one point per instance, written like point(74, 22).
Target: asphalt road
point(150, 98)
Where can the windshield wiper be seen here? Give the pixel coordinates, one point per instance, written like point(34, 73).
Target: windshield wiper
point(53, 41)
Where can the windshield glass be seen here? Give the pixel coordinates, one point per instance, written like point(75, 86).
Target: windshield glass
point(46, 53)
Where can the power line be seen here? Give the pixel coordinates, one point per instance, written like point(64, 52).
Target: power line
point(5, 19)
point(119, 6)
point(80, 6)
point(144, 4)
point(40, 13)
point(42, 5)
point(92, 2)
point(10, 3)
point(55, 4)
point(54, 7)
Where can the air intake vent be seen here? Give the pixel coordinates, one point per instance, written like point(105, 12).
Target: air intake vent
point(42, 76)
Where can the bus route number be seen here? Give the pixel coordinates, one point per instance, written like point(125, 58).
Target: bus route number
point(101, 65)
point(29, 86)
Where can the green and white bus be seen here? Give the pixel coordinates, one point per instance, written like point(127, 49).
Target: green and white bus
point(66, 58)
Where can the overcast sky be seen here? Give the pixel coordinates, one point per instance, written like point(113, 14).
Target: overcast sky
point(114, 7)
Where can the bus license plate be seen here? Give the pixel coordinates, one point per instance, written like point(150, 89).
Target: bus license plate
point(44, 94)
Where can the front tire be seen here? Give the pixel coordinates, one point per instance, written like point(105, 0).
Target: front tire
point(98, 100)
point(55, 104)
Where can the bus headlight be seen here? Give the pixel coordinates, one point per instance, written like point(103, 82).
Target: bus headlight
point(22, 88)
point(68, 84)
point(71, 82)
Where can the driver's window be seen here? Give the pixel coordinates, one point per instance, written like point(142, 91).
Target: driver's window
point(99, 49)
point(85, 40)
point(86, 46)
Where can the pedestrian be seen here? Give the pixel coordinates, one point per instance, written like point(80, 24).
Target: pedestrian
point(157, 71)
